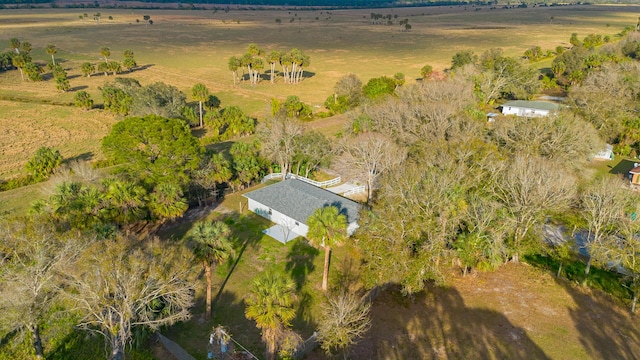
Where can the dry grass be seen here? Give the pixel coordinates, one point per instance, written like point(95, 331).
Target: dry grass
point(516, 312)
point(26, 127)
point(185, 47)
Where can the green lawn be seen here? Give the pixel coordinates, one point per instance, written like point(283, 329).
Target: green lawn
point(255, 253)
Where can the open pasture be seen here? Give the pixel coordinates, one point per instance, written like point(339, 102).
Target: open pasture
point(184, 47)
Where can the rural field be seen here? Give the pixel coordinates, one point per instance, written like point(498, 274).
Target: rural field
point(184, 47)
point(519, 311)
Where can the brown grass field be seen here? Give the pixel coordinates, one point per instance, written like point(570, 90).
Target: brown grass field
point(184, 47)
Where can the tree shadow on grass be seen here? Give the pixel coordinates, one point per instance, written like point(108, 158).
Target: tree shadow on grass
point(77, 88)
point(86, 156)
point(140, 68)
point(300, 261)
point(607, 330)
point(438, 324)
point(80, 344)
point(245, 232)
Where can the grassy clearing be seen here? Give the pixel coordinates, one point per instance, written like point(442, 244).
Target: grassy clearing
point(517, 312)
point(255, 253)
point(26, 127)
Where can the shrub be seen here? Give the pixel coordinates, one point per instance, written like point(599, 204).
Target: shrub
point(43, 163)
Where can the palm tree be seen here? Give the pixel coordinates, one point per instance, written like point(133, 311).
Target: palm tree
point(126, 201)
point(201, 94)
point(14, 44)
point(166, 202)
point(19, 62)
point(26, 47)
point(234, 65)
point(62, 83)
point(51, 50)
point(273, 58)
point(257, 65)
point(114, 66)
point(129, 62)
point(327, 227)
point(285, 61)
point(105, 52)
point(212, 246)
point(88, 69)
point(270, 305)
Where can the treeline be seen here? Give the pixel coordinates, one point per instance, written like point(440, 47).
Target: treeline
point(451, 189)
point(327, 3)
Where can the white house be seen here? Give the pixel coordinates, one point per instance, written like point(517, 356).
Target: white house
point(289, 204)
point(529, 108)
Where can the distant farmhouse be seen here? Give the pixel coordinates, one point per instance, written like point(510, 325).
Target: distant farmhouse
point(529, 108)
point(289, 204)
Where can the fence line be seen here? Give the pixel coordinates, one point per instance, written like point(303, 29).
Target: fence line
point(307, 346)
point(271, 176)
point(355, 190)
point(322, 184)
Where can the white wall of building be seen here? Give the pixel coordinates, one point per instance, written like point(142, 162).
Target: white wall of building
point(287, 222)
point(520, 111)
point(278, 218)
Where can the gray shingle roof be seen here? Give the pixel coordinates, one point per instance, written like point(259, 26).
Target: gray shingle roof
point(298, 200)
point(541, 105)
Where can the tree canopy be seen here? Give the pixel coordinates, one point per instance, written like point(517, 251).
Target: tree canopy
point(154, 148)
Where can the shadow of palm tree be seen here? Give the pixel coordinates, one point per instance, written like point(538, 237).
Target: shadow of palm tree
point(300, 261)
point(244, 232)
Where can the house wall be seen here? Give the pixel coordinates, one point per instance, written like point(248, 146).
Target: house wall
point(635, 178)
point(520, 111)
point(278, 218)
point(351, 228)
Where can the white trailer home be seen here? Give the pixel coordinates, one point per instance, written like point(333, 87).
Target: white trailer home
point(529, 108)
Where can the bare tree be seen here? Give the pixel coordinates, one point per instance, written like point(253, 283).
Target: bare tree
point(621, 253)
point(30, 281)
point(417, 214)
point(605, 98)
point(602, 206)
point(368, 156)
point(426, 112)
point(529, 187)
point(123, 284)
point(563, 137)
point(278, 136)
point(345, 319)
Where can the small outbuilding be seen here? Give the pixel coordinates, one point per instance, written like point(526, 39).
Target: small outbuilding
point(291, 202)
point(605, 154)
point(529, 108)
point(634, 175)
